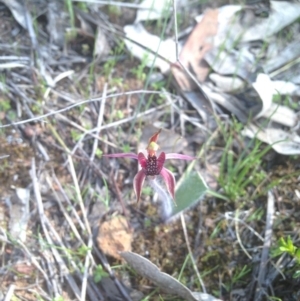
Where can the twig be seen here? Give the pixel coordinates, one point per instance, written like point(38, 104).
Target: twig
point(190, 252)
point(44, 223)
point(10, 293)
point(52, 113)
point(260, 290)
point(107, 267)
point(238, 235)
point(99, 122)
point(120, 199)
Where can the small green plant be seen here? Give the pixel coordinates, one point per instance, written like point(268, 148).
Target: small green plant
point(99, 153)
point(114, 10)
point(105, 199)
point(286, 246)
point(4, 105)
point(83, 6)
point(126, 148)
point(99, 273)
point(240, 171)
point(239, 274)
point(139, 71)
point(109, 66)
point(76, 135)
point(69, 6)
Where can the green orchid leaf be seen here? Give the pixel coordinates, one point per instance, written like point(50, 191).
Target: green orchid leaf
point(190, 189)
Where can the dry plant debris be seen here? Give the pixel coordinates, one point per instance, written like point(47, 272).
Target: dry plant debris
point(114, 237)
point(71, 91)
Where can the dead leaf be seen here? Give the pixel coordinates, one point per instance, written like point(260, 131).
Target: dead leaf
point(102, 48)
point(282, 142)
point(19, 213)
point(198, 44)
point(231, 84)
point(17, 9)
point(114, 237)
point(166, 48)
point(166, 282)
point(25, 268)
point(264, 88)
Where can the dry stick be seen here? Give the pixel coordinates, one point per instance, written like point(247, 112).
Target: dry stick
point(184, 116)
point(44, 221)
point(74, 211)
point(119, 197)
point(117, 123)
point(35, 262)
point(266, 247)
point(246, 225)
point(99, 122)
point(10, 292)
point(50, 263)
point(65, 212)
point(87, 226)
point(35, 45)
point(107, 267)
point(86, 223)
point(238, 235)
point(190, 252)
point(113, 124)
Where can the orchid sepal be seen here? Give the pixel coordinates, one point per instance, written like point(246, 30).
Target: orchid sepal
point(179, 156)
point(122, 155)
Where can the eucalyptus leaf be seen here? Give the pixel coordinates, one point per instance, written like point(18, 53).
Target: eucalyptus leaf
point(167, 283)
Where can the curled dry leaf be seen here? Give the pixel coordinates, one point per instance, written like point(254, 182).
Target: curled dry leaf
point(166, 282)
point(198, 44)
point(114, 237)
point(282, 142)
point(139, 34)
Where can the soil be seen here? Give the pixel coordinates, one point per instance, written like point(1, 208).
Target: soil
point(51, 146)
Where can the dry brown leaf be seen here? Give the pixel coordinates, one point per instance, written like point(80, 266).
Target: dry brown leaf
point(198, 44)
point(114, 237)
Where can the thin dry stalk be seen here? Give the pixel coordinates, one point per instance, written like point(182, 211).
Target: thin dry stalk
point(117, 123)
point(261, 279)
point(191, 253)
point(45, 223)
point(99, 122)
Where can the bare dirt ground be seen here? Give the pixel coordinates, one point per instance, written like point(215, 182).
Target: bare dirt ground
point(66, 211)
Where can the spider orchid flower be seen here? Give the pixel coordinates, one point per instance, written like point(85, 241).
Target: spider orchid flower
point(152, 166)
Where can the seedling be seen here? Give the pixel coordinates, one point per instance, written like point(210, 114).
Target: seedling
point(99, 273)
point(286, 246)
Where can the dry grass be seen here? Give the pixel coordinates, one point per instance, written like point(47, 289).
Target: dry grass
point(60, 112)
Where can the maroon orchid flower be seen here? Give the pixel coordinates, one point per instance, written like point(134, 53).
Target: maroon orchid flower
point(152, 166)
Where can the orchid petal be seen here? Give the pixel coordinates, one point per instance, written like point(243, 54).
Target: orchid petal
point(138, 182)
point(169, 180)
point(160, 162)
point(142, 160)
point(179, 156)
point(122, 155)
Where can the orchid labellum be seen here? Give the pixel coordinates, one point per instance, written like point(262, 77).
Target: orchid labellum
point(152, 166)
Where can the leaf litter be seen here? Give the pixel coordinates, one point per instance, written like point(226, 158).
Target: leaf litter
point(240, 73)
